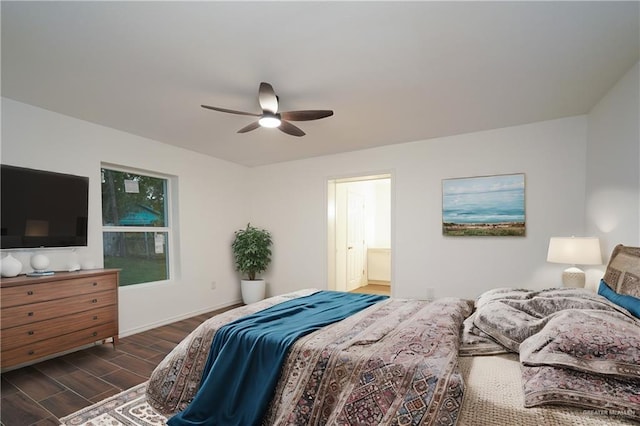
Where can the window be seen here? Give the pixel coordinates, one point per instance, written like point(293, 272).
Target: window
point(135, 225)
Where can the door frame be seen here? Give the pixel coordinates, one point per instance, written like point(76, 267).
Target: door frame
point(330, 220)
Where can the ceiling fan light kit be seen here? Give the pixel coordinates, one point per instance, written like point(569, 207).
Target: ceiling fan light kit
point(269, 121)
point(270, 116)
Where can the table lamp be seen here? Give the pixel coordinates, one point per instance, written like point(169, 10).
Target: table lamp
point(574, 251)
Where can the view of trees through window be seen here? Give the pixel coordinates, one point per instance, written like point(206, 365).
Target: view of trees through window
point(134, 224)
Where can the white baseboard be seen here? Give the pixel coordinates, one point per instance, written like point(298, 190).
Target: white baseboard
point(129, 332)
point(379, 282)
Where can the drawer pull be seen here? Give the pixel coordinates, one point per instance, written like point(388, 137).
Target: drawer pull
point(95, 284)
point(30, 333)
point(31, 352)
point(30, 314)
point(94, 301)
point(95, 317)
point(95, 333)
point(30, 293)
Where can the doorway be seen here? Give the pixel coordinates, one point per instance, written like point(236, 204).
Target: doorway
point(359, 234)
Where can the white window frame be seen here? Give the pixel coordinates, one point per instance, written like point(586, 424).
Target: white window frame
point(168, 228)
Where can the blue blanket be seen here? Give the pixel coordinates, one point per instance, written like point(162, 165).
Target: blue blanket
point(247, 354)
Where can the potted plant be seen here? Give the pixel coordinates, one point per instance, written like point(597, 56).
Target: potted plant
point(252, 255)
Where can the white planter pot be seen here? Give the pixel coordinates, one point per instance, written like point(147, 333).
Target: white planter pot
point(252, 290)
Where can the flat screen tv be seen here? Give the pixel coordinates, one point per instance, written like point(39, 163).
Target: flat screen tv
point(42, 209)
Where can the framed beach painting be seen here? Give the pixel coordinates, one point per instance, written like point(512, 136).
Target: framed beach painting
point(484, 206)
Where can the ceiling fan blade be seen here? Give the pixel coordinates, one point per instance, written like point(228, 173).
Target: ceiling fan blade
point(230, 111)
point(290, 129)
point(267, 98)
point(249, 127)
point(306, 115)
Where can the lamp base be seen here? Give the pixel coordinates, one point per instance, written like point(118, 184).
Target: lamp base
point(573, 277)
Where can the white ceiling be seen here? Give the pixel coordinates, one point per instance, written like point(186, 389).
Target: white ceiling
point(393, 72)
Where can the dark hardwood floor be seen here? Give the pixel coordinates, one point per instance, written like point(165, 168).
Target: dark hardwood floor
point(40, 394)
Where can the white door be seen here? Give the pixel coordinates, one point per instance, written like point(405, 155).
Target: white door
point(355, 240)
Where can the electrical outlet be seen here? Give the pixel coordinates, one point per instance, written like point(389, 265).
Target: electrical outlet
point(213, 285)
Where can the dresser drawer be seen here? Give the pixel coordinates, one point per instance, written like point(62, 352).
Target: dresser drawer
point(40, 292)
point(28, 314)
point(30, 333)
point(62, 343)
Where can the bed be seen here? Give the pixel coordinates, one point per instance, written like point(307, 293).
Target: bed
point(513, 356)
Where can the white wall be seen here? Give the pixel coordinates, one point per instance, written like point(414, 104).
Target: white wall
point(289, 199)
point(211, 203)
point(381, 207)
point(613, 165)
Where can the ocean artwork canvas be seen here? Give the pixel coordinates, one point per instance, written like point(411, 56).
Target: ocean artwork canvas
point(484, 206)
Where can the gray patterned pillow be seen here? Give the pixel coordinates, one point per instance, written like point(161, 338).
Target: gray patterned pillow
point(623, 271)
point(605, 395)
point(601, 342)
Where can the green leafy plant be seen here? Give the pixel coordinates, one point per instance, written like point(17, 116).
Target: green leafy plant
point(252, 250)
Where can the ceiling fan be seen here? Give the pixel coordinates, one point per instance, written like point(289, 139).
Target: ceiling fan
point(270, 116)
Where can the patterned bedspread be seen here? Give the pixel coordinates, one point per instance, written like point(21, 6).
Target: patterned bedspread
point(576, 348)
point(509, 316)
point(393, 363)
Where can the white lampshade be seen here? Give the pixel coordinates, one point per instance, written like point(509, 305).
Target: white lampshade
point(574, 251)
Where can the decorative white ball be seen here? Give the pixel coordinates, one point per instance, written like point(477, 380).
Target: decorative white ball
point(39, 262)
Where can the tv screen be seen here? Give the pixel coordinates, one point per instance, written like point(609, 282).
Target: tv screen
point(42, 209)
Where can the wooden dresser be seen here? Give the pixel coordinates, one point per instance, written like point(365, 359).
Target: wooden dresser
point(42, 316)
